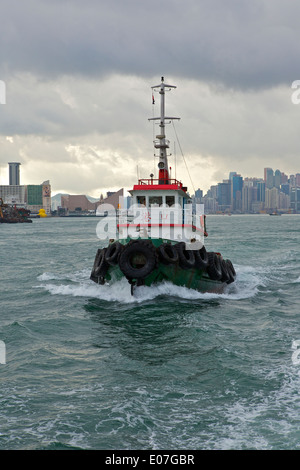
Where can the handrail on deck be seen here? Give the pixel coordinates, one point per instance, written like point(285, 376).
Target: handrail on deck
point(168, 181)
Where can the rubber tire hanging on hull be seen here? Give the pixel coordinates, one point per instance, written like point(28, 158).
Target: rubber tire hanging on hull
point(113, 253)
point(231, 271)
point(186, 257)
point(100, 267)
point(201, 258)
point(168, 253)
point(137, 248)
point(214, 266)
point(225, 273)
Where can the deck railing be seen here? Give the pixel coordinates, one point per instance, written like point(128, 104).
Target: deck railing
point(154, 181)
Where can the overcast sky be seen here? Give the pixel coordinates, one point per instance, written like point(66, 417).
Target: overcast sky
point(78, 78)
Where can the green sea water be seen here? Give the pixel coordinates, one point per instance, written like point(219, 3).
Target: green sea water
point(91, 367)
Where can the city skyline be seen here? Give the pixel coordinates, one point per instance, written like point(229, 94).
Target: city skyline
point(276, 191)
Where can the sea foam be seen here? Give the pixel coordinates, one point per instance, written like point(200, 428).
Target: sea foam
point(79, 285)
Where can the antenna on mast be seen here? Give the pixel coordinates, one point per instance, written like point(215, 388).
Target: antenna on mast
point(161, 143)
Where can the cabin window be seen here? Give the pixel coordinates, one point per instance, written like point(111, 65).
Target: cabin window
point(141, 200)
point(155, 200)
point(170, 200)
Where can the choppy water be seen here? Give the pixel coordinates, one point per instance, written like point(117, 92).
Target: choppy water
point(90, 367)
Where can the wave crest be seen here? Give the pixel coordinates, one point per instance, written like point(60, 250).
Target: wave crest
point(245, 286)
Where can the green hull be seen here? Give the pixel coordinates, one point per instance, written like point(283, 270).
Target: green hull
point(192, 277)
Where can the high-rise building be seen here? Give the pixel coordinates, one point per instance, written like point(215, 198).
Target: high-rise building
point(277, 179)
point(272, 198)
point(292, 181)
point(284, 201)
point(295, 199)
point(261, 191)
point(199, 193)
point(284, 178)
point(224, 196)
point(249, 196)
point(269, 177)
point(285, 188)
point(236, 192)
point(14, 173)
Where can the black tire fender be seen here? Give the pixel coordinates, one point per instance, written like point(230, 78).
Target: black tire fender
point(201, 258)
point(113, 253)
point(231, 271)
point(229, 263)
point(225, 273)
point(131, 251)
point(186, 257)
point(97, 260)
point(168, 253)
point(102, 266)
point(214, 266)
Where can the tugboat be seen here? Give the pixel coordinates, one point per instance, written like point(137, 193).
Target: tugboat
point(275, 213)
point(161, 237)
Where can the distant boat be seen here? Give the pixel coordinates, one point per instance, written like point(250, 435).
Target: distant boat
point(275, 213)
point(10, 214)
point(164, 243)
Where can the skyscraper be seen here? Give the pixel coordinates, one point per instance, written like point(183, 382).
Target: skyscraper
point(295, 199)
point(269, 177)
point(223, 195)
point(261, 188)
point(236, 192)
point(14, 173)
point(277, 179)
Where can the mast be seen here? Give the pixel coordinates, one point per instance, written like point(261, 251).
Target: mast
point(161, 143)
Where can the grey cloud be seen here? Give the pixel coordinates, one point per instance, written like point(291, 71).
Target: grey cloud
point(71, 108)
point(78, 77)
point(239, 43)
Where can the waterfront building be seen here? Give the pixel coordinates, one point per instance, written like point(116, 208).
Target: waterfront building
point(292, 181)
point(277, 179)
point(284, 201)
point(76, 203)
point(13, 194)
point(285, 188)
point(80, 203)
point(247, 198)
point(295, 199)
point(198, 194)
point(284, 178)
point(272, 198)
point(224, 196)
point(32, 197)
point(261, 191)
point(236, 192)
